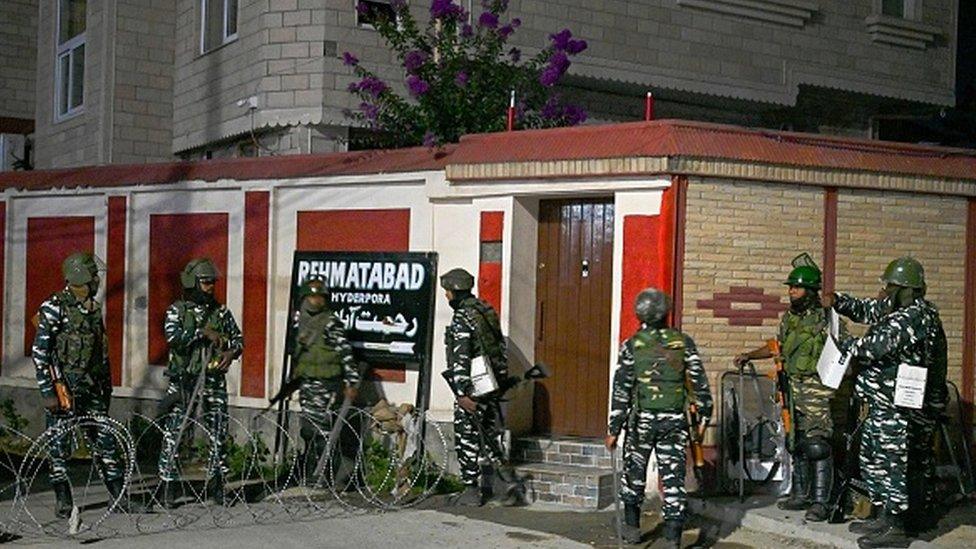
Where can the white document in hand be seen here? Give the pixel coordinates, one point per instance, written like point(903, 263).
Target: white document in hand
point(832, 364)
point(910, 386)
point(482, 377)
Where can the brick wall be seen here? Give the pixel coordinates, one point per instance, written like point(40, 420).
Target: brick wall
point(18, 54)
point(875, 227)
point(741, 234)
point(143, 113)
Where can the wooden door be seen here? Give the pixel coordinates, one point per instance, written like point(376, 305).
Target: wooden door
point(573, 283)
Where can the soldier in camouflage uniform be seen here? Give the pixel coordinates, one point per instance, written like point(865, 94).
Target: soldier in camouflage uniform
point(322, 359)
point(802, 334)
point(474, 331)
point(70, 345)
point(896, 455)
point(204, 340)
point(656, 368)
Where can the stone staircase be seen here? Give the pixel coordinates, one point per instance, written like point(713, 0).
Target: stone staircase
point(574, 472)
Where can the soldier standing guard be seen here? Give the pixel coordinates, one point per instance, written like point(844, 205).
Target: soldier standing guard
point(802, 334)
point(474, 335)
point(656, 368)
point(896, 455)
point(323, 363)
point(70, 353)
point(204, 339)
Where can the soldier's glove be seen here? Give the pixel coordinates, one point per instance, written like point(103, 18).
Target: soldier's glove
point(51, 404)
point(467, 403)
point(212, 335)
point(226, 358)
point(741, 359)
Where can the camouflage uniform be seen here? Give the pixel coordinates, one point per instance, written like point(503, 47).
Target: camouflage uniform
point(323, 360)
point(72, 337)
point(644, 358)
point(475, 331)
point(189, 348)
point(896, 448)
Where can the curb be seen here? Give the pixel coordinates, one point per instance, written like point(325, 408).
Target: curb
point(759, 523)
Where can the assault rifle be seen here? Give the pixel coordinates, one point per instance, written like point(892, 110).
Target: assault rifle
point(696, 438)
point(62, 393)
point(782, 389)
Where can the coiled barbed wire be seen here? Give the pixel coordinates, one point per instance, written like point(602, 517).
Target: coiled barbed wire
point(369, 468)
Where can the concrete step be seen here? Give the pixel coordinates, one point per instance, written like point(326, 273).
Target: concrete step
point(571, 485)
point(562, 451)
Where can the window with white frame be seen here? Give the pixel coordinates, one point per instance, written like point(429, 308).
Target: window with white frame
point(218, 23)
point(902, 9)
point(69, 70)
point(368, 11)
point(894, 8)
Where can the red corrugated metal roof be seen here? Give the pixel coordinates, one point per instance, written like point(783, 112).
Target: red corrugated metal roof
point(671, 138)
point(699, 139)
point(271, 167)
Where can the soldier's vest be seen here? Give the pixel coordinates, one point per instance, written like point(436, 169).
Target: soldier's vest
point(79, 344)
point(488, 341)
point(193, 362)
point(659, 370)
point(803, 340)
point(314, 357)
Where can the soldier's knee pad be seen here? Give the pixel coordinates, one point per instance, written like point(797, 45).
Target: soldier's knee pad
point(816, 448)
point(307, 430)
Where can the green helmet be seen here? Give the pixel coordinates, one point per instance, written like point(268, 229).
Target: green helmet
point(81, 268)
point(196, 269)
point(651, 306)
point(312, 286)
point(906, 272)
point(804, 277)
point(457, 279)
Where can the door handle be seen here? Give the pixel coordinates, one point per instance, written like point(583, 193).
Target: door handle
point(586, 268)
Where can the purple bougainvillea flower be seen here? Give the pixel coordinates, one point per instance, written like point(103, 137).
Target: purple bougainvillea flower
point(575, 46)
point(574, 115)
point(552, 109)
point(413, 60)
point(417, 85)
point(349, 59)
point(561, 39)
point(362, 8)
point(466, 31)
point(461, 79)
point(445, 9)
point(549, 77)
point(430, 139)
point(353, 87)
point(488, 20)
point(516, 23)
point(370, 111)
point(515, 55)
point(372, 85)
point(506, 31)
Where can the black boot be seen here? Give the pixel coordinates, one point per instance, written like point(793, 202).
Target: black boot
point(798, 499)
point(893, 534)
point(168, 488)
point(116, 494)
point(631, 529)
point(822, 481)
point(62, 491)
point(878, 523)
point(215, 489)
point(672, 533)
point(470, 497)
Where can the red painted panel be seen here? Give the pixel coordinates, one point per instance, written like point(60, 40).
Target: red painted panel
point(492, 225)
point(490, 272)
point(677, 205)
point(648, 259)
point(830, 238)
point(490, 284)
point(49, 241)
point(175, 239)
point(115, 285)
point(357, 230)
point(354, 230)
point(255, 322)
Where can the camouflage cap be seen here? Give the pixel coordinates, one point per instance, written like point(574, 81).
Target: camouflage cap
point(651, 305)
point(457, 279)
point(196, 269)
point(81, 268)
